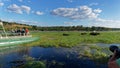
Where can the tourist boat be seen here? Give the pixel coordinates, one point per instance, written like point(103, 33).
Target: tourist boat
point(7, 40)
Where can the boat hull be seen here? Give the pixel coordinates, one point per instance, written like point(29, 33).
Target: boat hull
point(6, 41)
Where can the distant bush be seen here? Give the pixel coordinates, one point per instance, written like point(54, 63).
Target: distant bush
point(65, 34)
point(83, 33)
point(94, 33)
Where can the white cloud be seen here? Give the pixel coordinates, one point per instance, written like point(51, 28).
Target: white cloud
point(106, 23)
point(26, 8)
point(85, 13)
point(1, 4)
point(14, 8)
point(18, 9)
point(82, 12)
point(93, 4)
point(39, 13)
point(97, 10)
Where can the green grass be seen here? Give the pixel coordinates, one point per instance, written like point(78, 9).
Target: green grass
point(56, 39)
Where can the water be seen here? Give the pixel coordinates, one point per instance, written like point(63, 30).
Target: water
point(63, 57)
point(107, 45)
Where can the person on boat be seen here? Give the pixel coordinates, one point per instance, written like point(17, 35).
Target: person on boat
point(114, 62)
point(16, 31)
point(13, 32)
point(19, 31)
point(26, 31)
point(23, 32)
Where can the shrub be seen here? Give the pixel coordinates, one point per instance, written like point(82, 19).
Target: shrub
point(94, 33)
point(64, 34)
point(83, 33)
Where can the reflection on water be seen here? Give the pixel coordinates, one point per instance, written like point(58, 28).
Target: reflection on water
point(69, 57)
point(8, 54)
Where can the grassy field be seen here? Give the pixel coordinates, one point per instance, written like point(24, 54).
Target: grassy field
point(56, 39)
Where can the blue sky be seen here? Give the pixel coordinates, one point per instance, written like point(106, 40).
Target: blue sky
point(104, 13)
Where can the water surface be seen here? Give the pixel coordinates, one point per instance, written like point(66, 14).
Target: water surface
point(62, 57)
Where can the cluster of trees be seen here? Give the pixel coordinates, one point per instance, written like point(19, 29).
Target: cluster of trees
point(13, 25)
point(73, 28)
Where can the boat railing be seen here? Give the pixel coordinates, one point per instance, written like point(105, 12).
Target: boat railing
point(14, 35)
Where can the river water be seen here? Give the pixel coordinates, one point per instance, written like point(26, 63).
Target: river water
point(64, 57)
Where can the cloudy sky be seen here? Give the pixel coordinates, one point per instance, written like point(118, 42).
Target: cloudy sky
point(104, 13)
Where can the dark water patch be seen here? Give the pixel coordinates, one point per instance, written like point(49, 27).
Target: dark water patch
point(54, 57)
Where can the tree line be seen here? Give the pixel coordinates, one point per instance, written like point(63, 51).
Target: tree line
point(13, 25)
point(73, 28)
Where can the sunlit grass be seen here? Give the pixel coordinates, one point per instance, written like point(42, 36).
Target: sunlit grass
point(56, 39)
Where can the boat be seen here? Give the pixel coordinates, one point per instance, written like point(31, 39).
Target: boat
point(7, 40)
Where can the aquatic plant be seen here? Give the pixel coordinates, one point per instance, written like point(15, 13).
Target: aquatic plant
point(87, 53)
point(28, 58)
point(95, 53)
point(34, 64)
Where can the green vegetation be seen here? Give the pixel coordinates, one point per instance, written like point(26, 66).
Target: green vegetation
point(56, 39)
point(94, 52)
point(97, 53)
point(31, 63)
point(34, 64)
point(75, 38)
